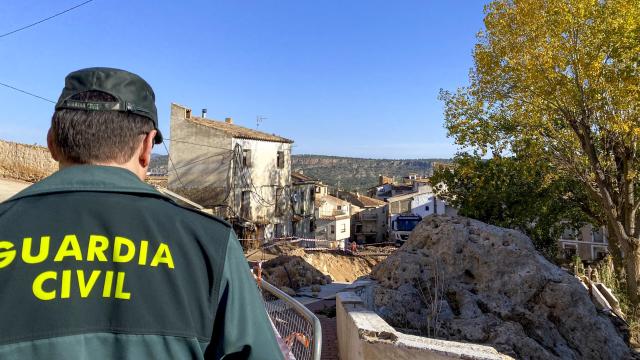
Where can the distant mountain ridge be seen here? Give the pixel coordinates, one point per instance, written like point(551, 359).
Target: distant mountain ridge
point(359, 173)
point(345, 172)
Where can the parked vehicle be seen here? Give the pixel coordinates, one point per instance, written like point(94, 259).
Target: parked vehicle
point(401, 226)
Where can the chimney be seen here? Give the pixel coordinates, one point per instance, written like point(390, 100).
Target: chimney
point(228, 120)
point(204, 113)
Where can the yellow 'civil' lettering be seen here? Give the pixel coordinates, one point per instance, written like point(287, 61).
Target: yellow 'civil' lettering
point(120, 293)
point(85, 287)
point(108, 279)
point(65, 292)
point(38, 291)
point(117, 249)
point(163, 255)
point(42, 253)
point(6, 256)
point(69, 247)
point(98, 244)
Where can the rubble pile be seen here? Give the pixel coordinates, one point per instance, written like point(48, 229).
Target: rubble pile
point(291, 272)
point(461, 279)
point(294, 267)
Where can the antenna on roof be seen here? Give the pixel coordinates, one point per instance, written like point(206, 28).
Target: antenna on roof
point(259, 120)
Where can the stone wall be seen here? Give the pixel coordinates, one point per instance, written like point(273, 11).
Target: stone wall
point(25, 162)
point(362, 334)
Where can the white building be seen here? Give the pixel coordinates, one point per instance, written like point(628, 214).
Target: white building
point(244, 175)
point(333, 220)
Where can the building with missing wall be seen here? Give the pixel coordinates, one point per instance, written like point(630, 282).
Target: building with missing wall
point(244, 175)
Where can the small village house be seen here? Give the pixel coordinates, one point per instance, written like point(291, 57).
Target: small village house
point(333, 219)
point(369, 223)
point(588, 242)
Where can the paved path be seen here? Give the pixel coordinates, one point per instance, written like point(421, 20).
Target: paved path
point(8, 188)
point(328, 291)
point(329, 328)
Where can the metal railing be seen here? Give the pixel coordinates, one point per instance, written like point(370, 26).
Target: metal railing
point(297, 326)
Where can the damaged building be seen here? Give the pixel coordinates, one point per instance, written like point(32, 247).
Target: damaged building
point(242, 174)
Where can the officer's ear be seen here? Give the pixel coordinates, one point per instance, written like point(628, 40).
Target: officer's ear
point(53, 149)
point(147, 146)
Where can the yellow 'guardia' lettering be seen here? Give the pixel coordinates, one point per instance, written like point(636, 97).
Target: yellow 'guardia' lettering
point(69, 247)
point(98, 244)
point(124, 250)
point(43, 252)
point(117, 249)
point(163, 255)
point(6, 254)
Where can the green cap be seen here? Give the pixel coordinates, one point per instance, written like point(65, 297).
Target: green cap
point(132, 92)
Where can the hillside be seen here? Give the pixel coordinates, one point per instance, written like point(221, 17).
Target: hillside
point(357, 173)
point(345, 172)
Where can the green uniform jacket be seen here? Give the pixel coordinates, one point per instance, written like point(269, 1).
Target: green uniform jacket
point(96, 264)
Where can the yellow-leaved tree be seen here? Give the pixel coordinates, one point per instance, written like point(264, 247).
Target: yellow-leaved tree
point(560, 80)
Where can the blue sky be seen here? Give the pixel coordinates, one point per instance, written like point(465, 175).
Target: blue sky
point(340, 77)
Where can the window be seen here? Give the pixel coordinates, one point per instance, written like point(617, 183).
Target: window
point(245, 205)
point(426, 208)
point(280, 159)
point(339, 207)
point(312, 225)
point(187, 114)
point(246, 158)
point(280, 201)
point(333, 229)
point(343, 228)
point(358, 228)
point(569, 250)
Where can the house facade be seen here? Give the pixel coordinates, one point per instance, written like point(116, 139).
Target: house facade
point(243, 175)
point(333, 220)
point(303, 196)
point(588, 242)
point(369, 222)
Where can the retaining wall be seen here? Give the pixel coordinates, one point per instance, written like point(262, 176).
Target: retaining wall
point(363, 334)
point(25, 162)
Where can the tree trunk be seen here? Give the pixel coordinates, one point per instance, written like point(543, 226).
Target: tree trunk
point(614, 250)
point(632, 270)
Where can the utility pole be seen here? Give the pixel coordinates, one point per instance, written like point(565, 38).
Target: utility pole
point(259, 120)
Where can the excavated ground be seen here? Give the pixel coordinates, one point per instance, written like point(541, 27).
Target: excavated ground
point(293, 267)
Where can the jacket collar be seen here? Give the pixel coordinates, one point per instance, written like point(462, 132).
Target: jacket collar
point(89, 178)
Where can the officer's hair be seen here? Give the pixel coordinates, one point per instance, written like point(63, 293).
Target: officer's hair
point(87, 137)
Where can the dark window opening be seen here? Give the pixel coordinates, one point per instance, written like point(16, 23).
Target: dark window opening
point(281, 159)
point(246, 158)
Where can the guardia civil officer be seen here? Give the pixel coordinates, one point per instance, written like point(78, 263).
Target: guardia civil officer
point(95, 264)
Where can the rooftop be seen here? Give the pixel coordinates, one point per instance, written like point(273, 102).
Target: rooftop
point(319, 200)
point(300, 177)
point(237, 131)
point(360, 200)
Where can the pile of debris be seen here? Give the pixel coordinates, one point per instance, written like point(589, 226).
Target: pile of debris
point(294, 267)
point(461, 279)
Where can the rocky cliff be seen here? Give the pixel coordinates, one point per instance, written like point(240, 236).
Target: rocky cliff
point(461, 279)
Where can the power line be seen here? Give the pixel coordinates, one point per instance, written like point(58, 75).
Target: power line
point(45, 19)
point(28, 93)
point(171, 161)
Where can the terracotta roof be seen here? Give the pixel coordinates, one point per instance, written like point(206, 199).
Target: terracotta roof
point(299, 177)
point(319, 200)
point(237, 131)
point(365, 201)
